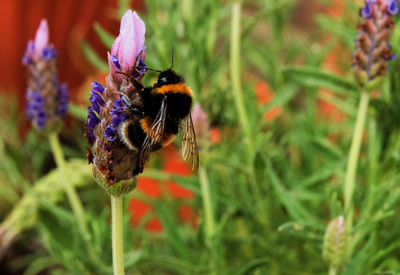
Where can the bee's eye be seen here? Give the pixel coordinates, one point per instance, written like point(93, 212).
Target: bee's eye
point(163, 79)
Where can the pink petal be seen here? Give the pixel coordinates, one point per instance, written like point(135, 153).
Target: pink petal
point(140, 29)
point(116, 45)
point(130, 41)
point(42, 37)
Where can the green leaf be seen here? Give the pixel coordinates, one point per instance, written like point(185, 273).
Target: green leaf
point(307, 231)
point(93, 57)
point(293, 206)
point(320, 175)
point(317, 78)
point(339, 28)
point(24, 214)
point(105, 37)
point(39, 265)
point(251, 266)
point(360, 263)
point(282, 97)
point(77, 111)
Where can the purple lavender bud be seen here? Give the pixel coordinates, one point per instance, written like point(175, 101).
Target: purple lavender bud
point(62, 99)
point(140, 68)
point(366, 11)
point(393, 7)
point(372, 48)
point(93, 120)
point(113, 161)
point(47, 100)
point(116, 62)
point(97, 87)
point(110, 133)
point(49, 53)
point(119, 104)
point(96, 99)
point(335, 242)
point(27, 60)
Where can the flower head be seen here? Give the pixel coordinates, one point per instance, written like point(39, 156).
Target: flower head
point(47, 100)
point(372, 49)
point(113, 162)
point(335, 242)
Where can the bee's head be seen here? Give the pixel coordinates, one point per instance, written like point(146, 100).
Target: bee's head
point(169, 77)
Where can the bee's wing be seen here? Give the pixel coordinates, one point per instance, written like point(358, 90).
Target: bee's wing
point(190, 152)
point(153, 137)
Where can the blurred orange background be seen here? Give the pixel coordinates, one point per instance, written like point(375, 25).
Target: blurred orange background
point(70, 21)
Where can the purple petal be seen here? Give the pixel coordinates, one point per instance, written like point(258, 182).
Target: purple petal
point(49, 53)
point(96, 86)
point(116, 120)
point(116, 62)
point(110, 133)
point(113, 70)
point(366, 12)
point(119, 103)
point(27, 60)
point(393, 7)
point(140, 68)
point(95, 98)
point(93, 120)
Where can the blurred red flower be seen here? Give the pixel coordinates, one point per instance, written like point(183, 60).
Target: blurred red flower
point(264, 96)
point(173, 164)
point(215, 135)
point(326, 110)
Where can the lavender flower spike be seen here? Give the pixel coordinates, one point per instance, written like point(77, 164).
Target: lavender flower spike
point(113, 162)
point(47, 100)
point(372, 48)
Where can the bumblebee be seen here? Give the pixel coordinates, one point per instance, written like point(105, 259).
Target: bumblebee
point(163, 112)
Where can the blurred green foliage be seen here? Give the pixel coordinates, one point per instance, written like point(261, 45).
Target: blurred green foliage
point(270, 209)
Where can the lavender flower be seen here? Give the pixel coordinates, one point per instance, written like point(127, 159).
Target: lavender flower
point(113, 162)
point(372, 49)
point(47, 100)
point(335, 242)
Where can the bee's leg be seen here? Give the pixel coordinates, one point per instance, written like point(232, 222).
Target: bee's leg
point(137, 85)
point(137, 110)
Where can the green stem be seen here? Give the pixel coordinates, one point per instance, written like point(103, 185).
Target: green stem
point(352, 163)
point(206, 196)
point(238, 96)
point(235, 76)
point(332, 270)
point(209, 217)
point(117, 240)
point(72, 196)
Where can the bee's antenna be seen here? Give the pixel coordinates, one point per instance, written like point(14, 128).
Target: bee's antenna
point(147, 68)
point(172, 57)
